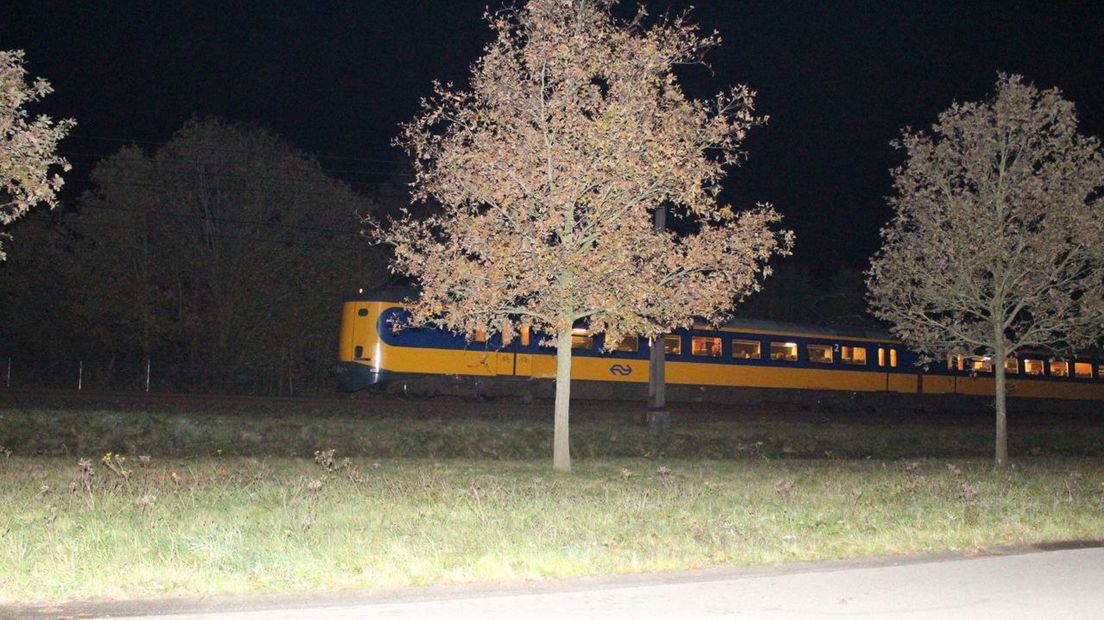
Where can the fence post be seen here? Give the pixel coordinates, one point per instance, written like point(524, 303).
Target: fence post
point(80, 375)
point(147, 374)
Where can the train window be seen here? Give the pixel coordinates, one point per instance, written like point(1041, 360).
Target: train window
point(1033, 367)
point(893, 358)
point(783, 351)
point(1012, 366)
point(707, 346)
point(672, 345)
point(629, 344)
point(1059, 368)
point(1100, 371)
point(980, 363)
point(1082, 370)
point(819, 353)
point(747, 349)
point(480, 335)
point(525, 336)
point(581, 339)
point(853, 355)
point(881, 356)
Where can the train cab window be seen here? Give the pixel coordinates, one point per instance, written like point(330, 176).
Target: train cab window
point(1082, 370)
point(853, 355)
point(629, 344)
point(1059, 368)
point(747, 349)
point(819, 353)
point(979, 363)
point(783, 351)
point(672, 345)
point(1012, 366)
point(1033, 368)
point(706, 346)
point(581, 339)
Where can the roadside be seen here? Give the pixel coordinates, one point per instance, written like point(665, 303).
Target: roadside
point(330, 601)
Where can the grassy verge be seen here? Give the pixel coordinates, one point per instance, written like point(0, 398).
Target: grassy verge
point(235, 524)
point(511, 432)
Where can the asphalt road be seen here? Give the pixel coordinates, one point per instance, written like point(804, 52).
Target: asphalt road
point(1053, 584)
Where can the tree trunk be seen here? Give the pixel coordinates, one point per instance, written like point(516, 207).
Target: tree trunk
point(1001, 406)
point(657, 417)
point(561, 448)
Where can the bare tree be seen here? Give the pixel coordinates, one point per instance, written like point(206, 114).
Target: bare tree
point(549, 170)
point(997, 244)
point(27, 146)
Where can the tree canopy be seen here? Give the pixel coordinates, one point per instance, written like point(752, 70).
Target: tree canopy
point(27, 146)
point(548, 169)
point(997, 243)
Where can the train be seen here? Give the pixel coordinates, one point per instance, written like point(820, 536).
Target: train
point(744, 360)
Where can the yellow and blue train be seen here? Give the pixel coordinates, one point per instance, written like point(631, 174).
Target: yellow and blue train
point(756, 359)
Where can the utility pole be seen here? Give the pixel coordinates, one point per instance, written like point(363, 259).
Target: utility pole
point(658, 418)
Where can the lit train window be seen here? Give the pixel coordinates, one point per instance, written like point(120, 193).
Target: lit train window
point(1082, 370)
point(1012, 366)
point(672, 345)
point(581, 339)
point(479, 336)
point(525, 336)
point(1033, 367)
point(853, 355)
point(707, 346)
point(747, 349)
point(1059, 368)
point(819, 353)
point(1100, 371)
point(783, 351)
point(981, 364)
point(630, 344)
point(893, 358)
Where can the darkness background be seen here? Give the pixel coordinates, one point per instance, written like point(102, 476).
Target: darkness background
point(839, 81)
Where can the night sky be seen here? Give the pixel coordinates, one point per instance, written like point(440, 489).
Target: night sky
point(838, 79)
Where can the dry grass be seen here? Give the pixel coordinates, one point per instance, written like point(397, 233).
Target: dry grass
point(135, 527)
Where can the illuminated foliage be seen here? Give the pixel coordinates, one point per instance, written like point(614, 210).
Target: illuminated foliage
point(997, 244)
point(548, 171)
point(27, 146)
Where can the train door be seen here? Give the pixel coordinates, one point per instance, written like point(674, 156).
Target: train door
point(523, 361)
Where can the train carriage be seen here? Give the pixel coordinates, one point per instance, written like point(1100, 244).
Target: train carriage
point(743, 359)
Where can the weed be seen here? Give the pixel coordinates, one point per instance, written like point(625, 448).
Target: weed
point(85, 476)
point(114, 463)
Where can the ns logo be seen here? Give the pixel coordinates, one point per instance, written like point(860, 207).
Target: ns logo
point(623, 370)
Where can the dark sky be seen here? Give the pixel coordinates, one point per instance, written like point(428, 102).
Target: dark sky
point(838, 79)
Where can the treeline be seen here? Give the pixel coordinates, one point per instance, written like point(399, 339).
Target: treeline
point(216, 260)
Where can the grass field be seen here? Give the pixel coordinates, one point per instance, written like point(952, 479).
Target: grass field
point(221, 505)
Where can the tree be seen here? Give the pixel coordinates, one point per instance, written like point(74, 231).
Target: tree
point(224, 253)
point(27, 147)
point(997, 244)
point(549, 170)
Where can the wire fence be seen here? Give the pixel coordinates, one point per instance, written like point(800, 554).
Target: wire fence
point(21, 371)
